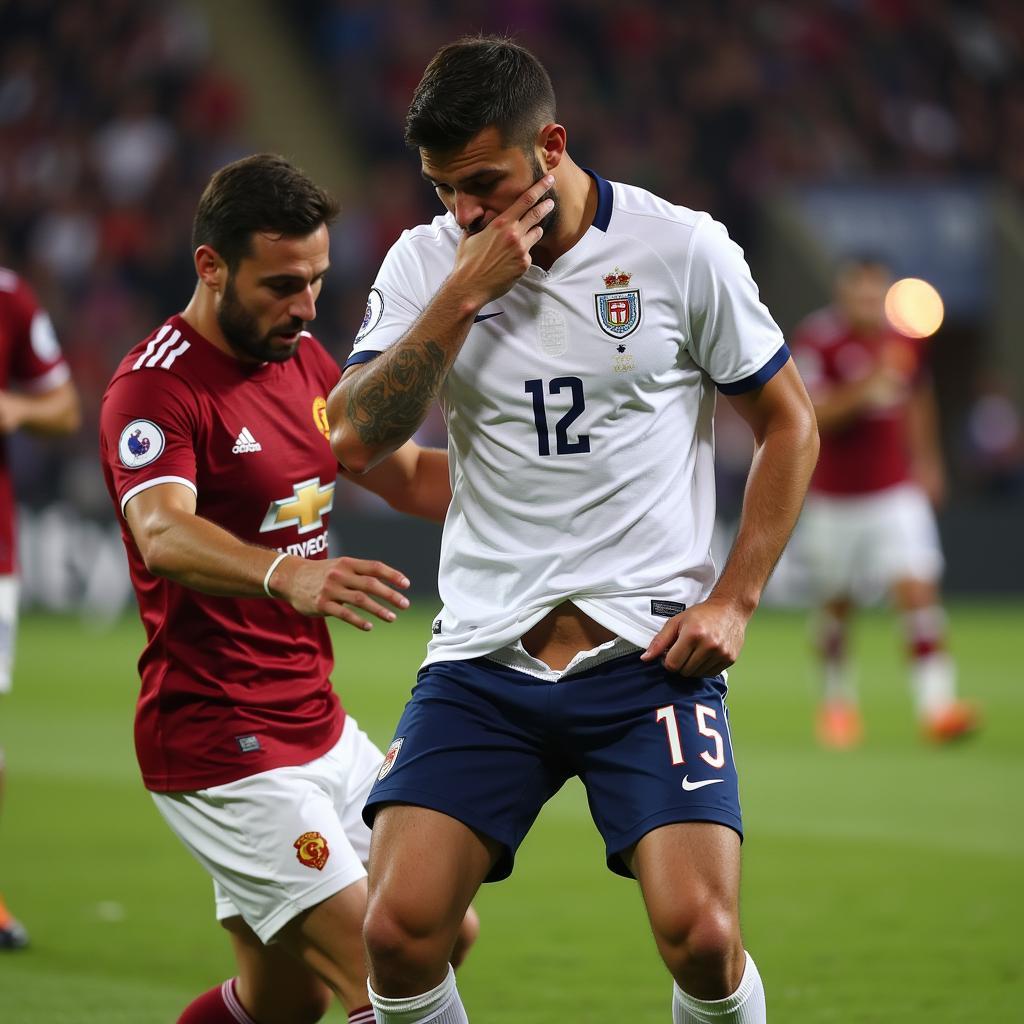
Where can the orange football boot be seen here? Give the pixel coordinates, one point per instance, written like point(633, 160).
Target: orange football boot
point(956, 721)
point(839, 725)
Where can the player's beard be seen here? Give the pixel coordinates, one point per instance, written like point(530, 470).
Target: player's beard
point(548, 223)
point(241, 330)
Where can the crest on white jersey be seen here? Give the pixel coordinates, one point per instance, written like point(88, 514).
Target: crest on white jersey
point(374, 311)
point(618, 313)
point(141, 442)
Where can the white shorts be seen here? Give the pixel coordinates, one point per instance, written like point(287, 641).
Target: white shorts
point(860, 546)
point(8, 628)
point(281, 841)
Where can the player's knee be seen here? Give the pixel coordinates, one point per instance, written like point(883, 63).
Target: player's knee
point(702, 939)
point(400, 938)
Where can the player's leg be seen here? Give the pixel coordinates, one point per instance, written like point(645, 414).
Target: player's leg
point(831, 536)
point(460, 786)
point(425, 868)
point(932, 671)
point(839, 722)
point(655, 755)
point(272, 987)
point(12, 932)
point(281, 860)
point(912, 554)
point(689, 874)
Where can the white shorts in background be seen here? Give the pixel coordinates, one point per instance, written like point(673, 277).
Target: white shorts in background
point(281, 841)
point(8, 629)
point(860, 546)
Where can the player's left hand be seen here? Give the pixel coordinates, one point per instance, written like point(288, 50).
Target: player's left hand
point(700, 641)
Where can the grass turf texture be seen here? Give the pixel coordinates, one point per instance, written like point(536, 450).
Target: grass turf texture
point(879, 885)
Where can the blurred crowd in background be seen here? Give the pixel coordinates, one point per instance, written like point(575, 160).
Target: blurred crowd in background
point(113, 114)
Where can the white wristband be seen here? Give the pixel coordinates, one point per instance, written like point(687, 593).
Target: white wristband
point(270, 572)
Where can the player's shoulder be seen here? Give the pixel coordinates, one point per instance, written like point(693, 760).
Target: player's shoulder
point(439, 234)
point(666, 227)
point(634, 205)
point(160, 359)
point(315, 354)
point(679, 234)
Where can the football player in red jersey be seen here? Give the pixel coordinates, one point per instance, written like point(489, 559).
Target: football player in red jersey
point(36, 394)
point(215, 452)
point(868, 524)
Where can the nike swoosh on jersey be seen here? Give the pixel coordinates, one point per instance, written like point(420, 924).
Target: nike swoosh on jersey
point(691, 786)
point(486, 316)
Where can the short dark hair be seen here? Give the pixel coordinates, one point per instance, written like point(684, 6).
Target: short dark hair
point(260, 193)
point(476, 82)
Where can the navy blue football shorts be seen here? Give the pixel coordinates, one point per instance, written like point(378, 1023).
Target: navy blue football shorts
point(488, 745)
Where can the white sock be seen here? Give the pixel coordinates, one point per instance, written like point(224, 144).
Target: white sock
point(934, 683)
point(744, 1006)
point(440, 1005)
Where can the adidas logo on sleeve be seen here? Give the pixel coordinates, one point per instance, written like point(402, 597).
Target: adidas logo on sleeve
point(245, 442)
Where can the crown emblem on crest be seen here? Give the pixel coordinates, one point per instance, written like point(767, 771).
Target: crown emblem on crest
point(617, 279)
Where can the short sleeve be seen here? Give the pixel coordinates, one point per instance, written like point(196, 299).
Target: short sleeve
point(394, 304)
point(148, 432)
point(732, 334)
point(37, 363)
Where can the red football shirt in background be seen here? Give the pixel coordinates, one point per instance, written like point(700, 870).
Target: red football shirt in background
point(871, 452)
point(230, 686)
point(30, 360)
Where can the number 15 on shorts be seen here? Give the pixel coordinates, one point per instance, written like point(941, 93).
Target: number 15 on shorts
point(713, 755)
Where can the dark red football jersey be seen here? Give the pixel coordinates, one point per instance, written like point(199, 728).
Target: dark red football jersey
point(30, 360)
point(230, 686)
point(872, 451)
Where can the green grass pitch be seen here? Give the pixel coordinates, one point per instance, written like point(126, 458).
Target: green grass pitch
point(882, 885)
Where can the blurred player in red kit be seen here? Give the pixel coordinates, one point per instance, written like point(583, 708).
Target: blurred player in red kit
point(215, 452)
point(868, 524)
point(36, 394)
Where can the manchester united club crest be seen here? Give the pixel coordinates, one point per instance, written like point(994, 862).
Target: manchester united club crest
point(320, 416)
point(312, 850)
point(618, 307)
point(390, 758)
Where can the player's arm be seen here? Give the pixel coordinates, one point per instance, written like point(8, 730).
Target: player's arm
point(413, 480)
point(178, 544)
point(53, 412)
point(836, 405)
point(377, 406)
point(923, 435)
point(707, 638)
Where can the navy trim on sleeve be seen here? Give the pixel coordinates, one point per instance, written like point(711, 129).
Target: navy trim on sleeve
point(760, 377)
point(605, 195)
point(360, 357)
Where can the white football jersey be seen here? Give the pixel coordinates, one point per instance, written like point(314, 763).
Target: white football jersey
point(579, 416)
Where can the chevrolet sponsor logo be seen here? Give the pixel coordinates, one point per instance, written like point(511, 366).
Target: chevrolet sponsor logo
point(305, 508)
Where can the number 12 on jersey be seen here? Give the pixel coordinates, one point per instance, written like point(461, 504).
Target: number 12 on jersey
point(563, 446)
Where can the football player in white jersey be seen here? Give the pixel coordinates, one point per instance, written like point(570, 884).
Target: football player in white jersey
point(575, 332)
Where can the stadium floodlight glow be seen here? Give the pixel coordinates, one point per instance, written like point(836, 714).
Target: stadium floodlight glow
point(914, 307)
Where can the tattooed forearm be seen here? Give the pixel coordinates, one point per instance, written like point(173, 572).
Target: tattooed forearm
point(390, 399)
